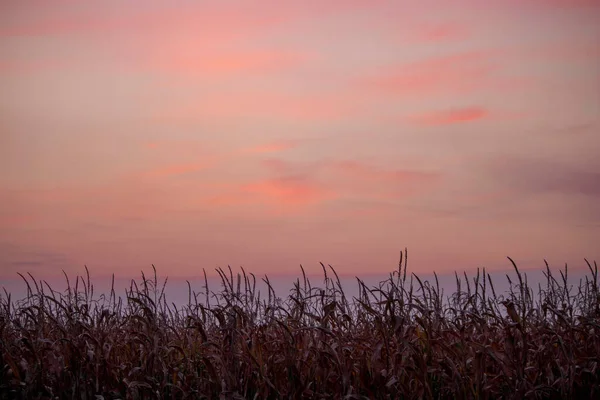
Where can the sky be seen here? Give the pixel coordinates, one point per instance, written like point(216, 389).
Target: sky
point(269, 134)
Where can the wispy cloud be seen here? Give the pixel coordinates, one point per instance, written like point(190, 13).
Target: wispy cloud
point(280, 195)
point(277, 105)
point(355, 179)
point(458, 72)
point(12, 214)
point(565, 51)
point(18, 258)
point(100, 17)
point(275, 147)
point(176, 169)
point(151, 145)
point(368, 173)
point(179, 146)
point(202, 41)
point(298, 185)
point(555, 190)
point(543, 176)
point(419, 33)
point(224, 64)
point(289, 191)
point(577, 129)
point(450, 117)
point(572, 4)
point(444, 32)
point(215, 19)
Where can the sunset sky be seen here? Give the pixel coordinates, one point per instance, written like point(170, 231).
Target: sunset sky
point(269, 134)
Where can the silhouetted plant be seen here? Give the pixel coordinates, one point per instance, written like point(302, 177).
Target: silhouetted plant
point(398, 340)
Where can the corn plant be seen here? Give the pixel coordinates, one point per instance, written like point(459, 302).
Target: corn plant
point(400, 339)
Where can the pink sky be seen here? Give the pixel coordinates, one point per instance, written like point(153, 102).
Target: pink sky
point(268, 134)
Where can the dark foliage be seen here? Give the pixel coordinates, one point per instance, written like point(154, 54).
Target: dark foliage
point(398, 340)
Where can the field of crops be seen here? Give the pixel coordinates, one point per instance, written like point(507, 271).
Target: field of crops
point(401, 339)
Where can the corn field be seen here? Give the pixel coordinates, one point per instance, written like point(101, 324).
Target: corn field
point(401, 339)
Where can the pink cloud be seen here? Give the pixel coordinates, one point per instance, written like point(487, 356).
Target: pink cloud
point(355, 179)
point(289, 191)
point(565, 3)
point(151, 145)
point(321, 106)
point(360, 180)
point(65, 17)
point(92, 18)
point(284, 194)
point(17, 220)
point(276, 164)
point(189, 38)
point(364, 172)
point(142, 197)
point(177, 169)
point(180, 153)
point(452, 73)
point(566, 51)
point(227, 200)
point(172, 144)
point(315, 107)
point(192, 60)
point(281, 167)
point(23, 66)
point(356, 170)
point(450, 117)
point(439, 32)
point(108, 202)
point(269, 148)
point(447, 32)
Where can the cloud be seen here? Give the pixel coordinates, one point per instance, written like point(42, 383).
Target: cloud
point(449, 117)
point(352, 169)
point(586, 183)
point(470, 202)
point(294, 186)
point(227, 200)
point(444, 32)
point(176, 169)
point(188, 60)
point(214, 19)
point(546, 176)
point(12, 219)
point(180, 147)
point(433, 33)
point(566, 4)
point(354, 179)
point(364, 172)
point(565, 51)
point(558, 190)
point(139, 197)
point(211, 158)
point(17, 258)
point(191, 60)
point(363, 181)
point(576, 129)
point(206, 41)
point(151, 145)
point(91, 18)
point(274, 196)
point(275, 147)
point(289, 191)
point(453, 73)
point(277, 165)
point(242, 103)
point(22, 66)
